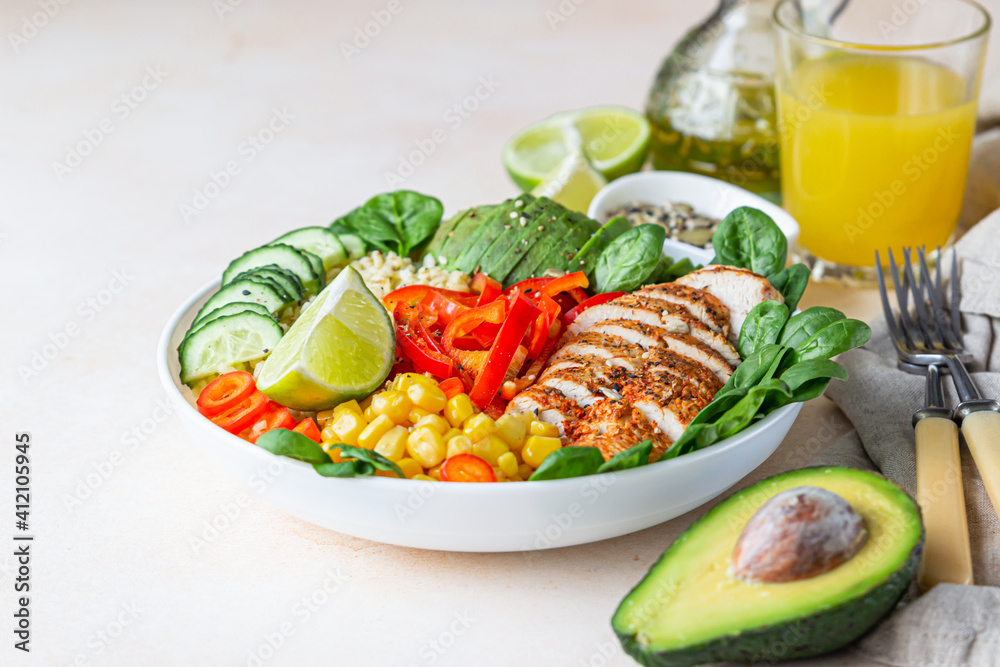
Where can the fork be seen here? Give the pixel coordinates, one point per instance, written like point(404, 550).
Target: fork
point(920, 342)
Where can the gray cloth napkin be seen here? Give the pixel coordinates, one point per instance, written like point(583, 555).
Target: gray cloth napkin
point(950, 625)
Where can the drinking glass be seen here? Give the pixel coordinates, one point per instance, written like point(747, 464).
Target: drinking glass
point(876, 112)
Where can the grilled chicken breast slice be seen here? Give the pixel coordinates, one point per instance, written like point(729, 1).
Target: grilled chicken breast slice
point(548, 405)
point(699, 303)
point(652, 335)
point(614, 426)
point(739, 290)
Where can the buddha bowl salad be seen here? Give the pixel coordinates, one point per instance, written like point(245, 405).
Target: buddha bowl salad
point(512, 342)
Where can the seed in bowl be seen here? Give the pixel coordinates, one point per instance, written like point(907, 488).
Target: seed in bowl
point(680, 220)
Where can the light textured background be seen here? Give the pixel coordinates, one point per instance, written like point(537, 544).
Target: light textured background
point(64, 235)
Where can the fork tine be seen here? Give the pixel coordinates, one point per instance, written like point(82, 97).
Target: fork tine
point(936, 306)
point(890, 319)
point(921, 316)
point(956, 315)
point(910, 330)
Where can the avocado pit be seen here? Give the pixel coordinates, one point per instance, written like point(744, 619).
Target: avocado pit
point(797, 534)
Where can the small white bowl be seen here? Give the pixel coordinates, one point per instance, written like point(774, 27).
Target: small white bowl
point(708, 196)
point(521, 516)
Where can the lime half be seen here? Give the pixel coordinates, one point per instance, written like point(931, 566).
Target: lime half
point(614, 140)
point(573, 184)
point(341, 347)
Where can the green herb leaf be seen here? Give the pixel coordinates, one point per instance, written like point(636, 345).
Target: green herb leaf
point(370, 457)
point(283, 442)
point(345, 469)
point(762, 327)
point(791, 281)
point(833, 339)
point(630, 259)
point(569, 462)
point(802, 326)
point(395, 221)
point(763, 364)
point(750, 239)
point(633, 457)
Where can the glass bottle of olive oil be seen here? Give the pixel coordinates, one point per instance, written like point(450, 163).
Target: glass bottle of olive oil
point(712, 106)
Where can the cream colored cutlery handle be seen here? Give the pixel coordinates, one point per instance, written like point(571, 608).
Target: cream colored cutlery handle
point(982, 435)
point(947, 558)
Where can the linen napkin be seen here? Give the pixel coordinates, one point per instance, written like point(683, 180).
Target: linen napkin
point(950, 625)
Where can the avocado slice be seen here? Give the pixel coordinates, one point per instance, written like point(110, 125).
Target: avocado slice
point(516, 240)
point(445, 231)
point(476, 243)
point(690, 609)
point(567, 233)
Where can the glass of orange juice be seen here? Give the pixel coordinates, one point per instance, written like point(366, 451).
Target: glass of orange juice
point(876, 109)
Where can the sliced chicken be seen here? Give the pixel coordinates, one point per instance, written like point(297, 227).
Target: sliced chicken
point(614, 426)
point(698, 303)
point(739, 290)
point(548, 405)
point(647, 336)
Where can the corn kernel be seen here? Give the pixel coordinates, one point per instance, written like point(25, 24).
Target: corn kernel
point(425, 478)
point(507, 463)
point(365, 402)
point(404, 381)
point(374, 432)
point(409, 467)
point(370, 414)
point(515, 478)
point(479, 426)
point(524, 471)
point(458, 409)
point(386, 473)
point(393, 404)
point(392, 445)
point(511, 430)
point(427, 396)
point(348, 426)
point(435, 473)
point(537, 447)
point(327, 434)
point(323, 416)
point(459, 444)
point(349, 405)
point(426, 446)
point(544, 429)
point(416, 414)
point(333, 451)
point(526, 417)
point(451, 433)
point(436, 422)
point(490, 449)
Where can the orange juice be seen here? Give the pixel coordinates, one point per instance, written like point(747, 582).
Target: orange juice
point(874, 154)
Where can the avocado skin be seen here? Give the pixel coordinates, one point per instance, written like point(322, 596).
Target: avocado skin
point(808, 636)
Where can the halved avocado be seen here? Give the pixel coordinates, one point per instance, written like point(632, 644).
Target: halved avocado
point(692, 609)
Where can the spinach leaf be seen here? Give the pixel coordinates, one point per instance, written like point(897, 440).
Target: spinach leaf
point(569, 462)
point(283, 442)
point(807, 380)
point(395, 221)
point(345, 469)
point(630, 259)
point(762, 365)
point(791, 281)
point(833, 339)
point(633, 457)
point(802, 326)
point(750, 239)
point(369, 456)
point(761, 327)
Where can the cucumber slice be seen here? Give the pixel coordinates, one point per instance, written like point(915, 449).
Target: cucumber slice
point(231, 309)
point(225, 341)
point(242, 291)
point(355, 245)
point(320, 241)
point(265, 280)
point(285, 256)
point(317, 265)
point(288, 282)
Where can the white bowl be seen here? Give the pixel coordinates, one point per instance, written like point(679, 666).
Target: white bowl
point(708, 196)
point(472, 517)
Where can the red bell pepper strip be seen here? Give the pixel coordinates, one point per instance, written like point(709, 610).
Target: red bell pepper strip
point(522, 313)
point(445, 307)
point(242, 415)
point(567, 283)
point(466, 323)
point(424, 358)
point(277, 416)
point(528, 286)
point(487, 288)
point(451, 387)
point(225, 392)
point(512, 388)
point(416, 294)
point(467, 468)
point(308, 428)
point(590, 303)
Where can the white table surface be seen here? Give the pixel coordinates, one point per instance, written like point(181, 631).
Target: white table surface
point(94, 257)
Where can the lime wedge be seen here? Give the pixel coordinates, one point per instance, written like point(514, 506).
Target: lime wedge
point(573, 184)
point(341, 347)
point(615, 140)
